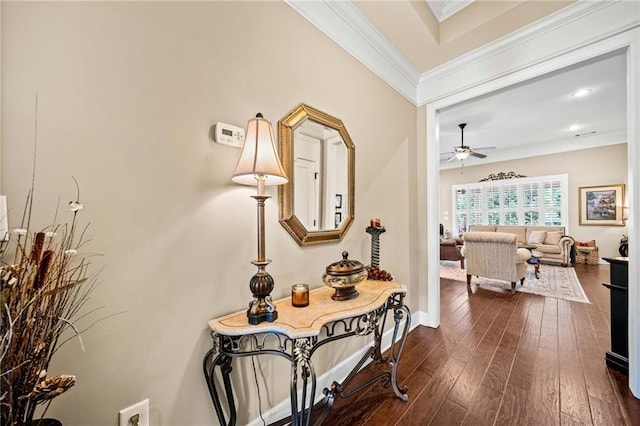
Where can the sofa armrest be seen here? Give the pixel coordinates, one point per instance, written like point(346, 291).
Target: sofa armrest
point(522, 255)
point(566, 243)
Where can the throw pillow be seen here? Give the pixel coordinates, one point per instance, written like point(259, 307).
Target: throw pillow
point(553, 238)
point(537, 237)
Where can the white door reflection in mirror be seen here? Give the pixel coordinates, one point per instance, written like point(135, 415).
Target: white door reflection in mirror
point(306, 170)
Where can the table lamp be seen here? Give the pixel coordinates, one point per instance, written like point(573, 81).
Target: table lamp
point(259, 165)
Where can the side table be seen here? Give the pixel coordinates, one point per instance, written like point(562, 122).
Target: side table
point(534, 259)
point(298, 333)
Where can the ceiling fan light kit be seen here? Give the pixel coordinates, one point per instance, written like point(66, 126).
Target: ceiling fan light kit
point(463, 151)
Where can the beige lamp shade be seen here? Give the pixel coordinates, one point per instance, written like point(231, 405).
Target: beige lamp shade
point(259, 158)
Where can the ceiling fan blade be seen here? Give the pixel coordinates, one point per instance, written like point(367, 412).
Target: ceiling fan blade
point(485, 148)
point(453, 157)
point(477, 154)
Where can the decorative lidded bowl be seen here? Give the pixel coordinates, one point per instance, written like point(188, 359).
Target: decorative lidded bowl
point(343, 276)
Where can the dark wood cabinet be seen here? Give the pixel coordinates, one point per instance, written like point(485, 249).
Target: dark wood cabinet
point(618, 357)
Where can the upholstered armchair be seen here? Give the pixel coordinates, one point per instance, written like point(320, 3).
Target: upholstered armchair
point(450, 248)
point(495, 255)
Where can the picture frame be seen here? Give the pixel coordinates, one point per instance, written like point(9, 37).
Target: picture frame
point(338, 201)
point(338, 219)
point(601, 205)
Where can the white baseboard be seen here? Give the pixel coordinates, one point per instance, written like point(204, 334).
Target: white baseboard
point(337, 373)
point(424, 318)
point(416, 319)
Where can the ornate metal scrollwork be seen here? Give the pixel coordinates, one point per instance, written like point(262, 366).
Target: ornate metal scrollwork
point(501, 176)
point(369, 322)
point(302, 351)
point(398, 315)
point(216, 342)
point(395, 301)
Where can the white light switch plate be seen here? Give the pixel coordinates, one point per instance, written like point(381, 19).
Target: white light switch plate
point(141, 408)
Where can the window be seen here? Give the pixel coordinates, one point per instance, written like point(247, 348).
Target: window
point(524, 201)
point(492, 194)
point(531, 203)
point(553, 200)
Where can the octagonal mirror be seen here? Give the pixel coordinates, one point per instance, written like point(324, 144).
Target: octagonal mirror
point(318, 156)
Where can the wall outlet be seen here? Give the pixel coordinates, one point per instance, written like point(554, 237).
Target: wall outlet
point(127, 416)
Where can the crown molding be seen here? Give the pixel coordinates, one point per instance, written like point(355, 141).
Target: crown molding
point(445, 8)
point(346, 25)
point(431, 87)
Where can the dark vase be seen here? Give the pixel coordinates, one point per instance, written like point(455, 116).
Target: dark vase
point(624, 249)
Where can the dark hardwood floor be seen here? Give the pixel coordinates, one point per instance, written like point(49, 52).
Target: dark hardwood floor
point(505, 359)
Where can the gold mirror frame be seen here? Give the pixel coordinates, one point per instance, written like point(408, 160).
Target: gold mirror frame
point(286, 128)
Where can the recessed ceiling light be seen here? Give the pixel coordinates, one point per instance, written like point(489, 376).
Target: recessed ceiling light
point(574, 127)
point(581, 92)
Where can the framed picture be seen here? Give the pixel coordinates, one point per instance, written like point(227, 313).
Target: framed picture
point(601, 205)
point(338, 219)
point(338, 201)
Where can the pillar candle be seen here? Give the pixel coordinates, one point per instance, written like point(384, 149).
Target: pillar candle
point(300, 295)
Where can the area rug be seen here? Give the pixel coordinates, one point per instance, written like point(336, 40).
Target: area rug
point(554, 281)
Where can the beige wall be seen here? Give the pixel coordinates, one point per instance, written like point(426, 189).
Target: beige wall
point(589, 167)
point(127, 93)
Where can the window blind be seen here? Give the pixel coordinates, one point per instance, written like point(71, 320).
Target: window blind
point(539, 200)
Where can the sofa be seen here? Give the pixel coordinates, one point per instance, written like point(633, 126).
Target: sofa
point(551, 241)
point(495, 255)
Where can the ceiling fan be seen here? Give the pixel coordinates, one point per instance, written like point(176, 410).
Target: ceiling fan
point(461, 152)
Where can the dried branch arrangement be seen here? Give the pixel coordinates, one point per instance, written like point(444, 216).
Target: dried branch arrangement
point(43, 285)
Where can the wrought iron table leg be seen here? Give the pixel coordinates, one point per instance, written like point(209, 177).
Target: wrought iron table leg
point(302, 358)
point(387, 378)
point(209, 366)
point(399, 313)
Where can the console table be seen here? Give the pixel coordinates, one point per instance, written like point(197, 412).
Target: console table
point(298, 333)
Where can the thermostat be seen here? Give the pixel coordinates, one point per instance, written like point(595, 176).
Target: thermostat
point(226, 134)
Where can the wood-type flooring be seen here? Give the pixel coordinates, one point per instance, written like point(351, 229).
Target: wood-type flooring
point(505, 359)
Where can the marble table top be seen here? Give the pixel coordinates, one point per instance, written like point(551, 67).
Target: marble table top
point(308, 321)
